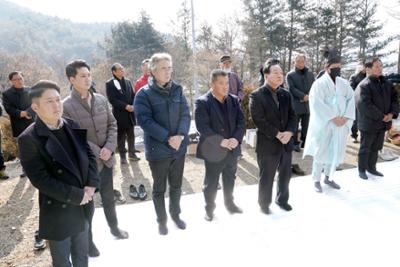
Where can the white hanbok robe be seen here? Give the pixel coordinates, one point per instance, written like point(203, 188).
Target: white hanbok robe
point(325, 141)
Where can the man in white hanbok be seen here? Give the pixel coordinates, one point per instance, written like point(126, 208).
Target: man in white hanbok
point(332, 112)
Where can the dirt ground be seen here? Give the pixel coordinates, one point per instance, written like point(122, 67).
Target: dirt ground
point(19, 206)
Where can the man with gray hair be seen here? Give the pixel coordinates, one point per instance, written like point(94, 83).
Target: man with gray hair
point(299, 81)
point(163, 113)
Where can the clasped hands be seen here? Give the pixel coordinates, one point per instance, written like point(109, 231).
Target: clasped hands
point(175, 141)
point(284, 137)
point(339, 121)
point(88, 194)
point(387, 117)
point(230, 143)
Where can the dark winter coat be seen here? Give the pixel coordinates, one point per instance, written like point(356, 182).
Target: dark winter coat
point(375, 97)
point(210, 124)
point(162, 113)
point(269, 120)
point(119, 99)
point(15, 101)
point(299, 83)
point(58, 178)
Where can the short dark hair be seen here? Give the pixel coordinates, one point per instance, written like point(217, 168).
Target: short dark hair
point(114, 66)
point(369, 62)
point(147, 60)
point(11, 75)
point(72, 68)
point(217, 73)
point(269, 63)
point(38, 88)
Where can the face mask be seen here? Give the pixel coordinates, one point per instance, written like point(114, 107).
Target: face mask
point(335, 72)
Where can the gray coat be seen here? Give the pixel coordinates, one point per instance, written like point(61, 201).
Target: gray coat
point(299, 84)
point(97, 119)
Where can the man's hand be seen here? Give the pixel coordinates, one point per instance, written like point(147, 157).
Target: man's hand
point(225, 144)
point(285, 137)
point(129, 108)
point(339, 121)
point(90, 190)
point(388, 117)
point(25, 114)
point(175, 141)
point(105, 154)
point(233, 143)
point(86, 198)
point(306, 98)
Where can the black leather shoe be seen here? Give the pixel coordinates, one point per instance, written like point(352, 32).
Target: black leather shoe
point(297, 170)
point(142, 192)
point(118, 197)
point(317, 187)
point(179, 223)
point(362, 175)
point(133, 157)
point(232, 208)
point(119, 234)
point(209, 216)
point(375, 172)
point(162, 229)
point(133, 193)
point(297, 148)
point(331, 183)
point(93, 251)
point(285, 206)
point(266, 210)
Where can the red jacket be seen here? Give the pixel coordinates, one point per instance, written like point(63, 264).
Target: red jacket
point(142, 81)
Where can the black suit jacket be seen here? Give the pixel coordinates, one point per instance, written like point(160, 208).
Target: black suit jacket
point(119, 99)
point(13, 104)
point(270, 120)
point(210, 125)
point(59, 180)
point(375, 97)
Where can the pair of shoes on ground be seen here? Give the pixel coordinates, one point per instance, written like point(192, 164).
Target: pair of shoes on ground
point(297, 170)
point(39, 243)
point(331, 183)
point(3, 175)
point(118, 197)
point(363, 175)
point(140, 194)
point(285, 206)
point(163, 229)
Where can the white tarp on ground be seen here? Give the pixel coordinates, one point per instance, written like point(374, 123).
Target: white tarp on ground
point(358, 225)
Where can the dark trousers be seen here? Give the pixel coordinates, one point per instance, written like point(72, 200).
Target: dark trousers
point(227, 167)
point(75, 246)
point(354, 128)
point(303, 120)
point(122, 135)
point(268, 164)
point(370, 144)
point(170, 170)
point(107, 198)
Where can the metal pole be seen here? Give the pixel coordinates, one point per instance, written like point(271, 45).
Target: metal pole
point(195, 85)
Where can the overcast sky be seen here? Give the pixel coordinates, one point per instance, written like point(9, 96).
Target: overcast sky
point(162, 12)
